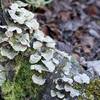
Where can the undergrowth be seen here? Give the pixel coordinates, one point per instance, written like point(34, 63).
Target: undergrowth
point(22, 87)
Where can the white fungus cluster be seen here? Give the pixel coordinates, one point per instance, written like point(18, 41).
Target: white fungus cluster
point(45, 57)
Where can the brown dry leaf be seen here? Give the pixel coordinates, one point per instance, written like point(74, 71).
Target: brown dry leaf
point(86, 50)
point(87, 41)
point(92, 10)
point(79, 34)
point(45, 30)
point(41, 10)
point(52, 30)
point(64, 15)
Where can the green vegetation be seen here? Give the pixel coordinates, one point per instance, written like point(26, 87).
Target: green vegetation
point(92, 90)
point(22, 86)
point(38, 3)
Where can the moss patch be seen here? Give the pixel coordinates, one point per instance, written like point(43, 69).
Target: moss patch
point(22, 87)
point(91, 90)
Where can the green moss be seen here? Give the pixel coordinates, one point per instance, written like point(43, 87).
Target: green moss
point(22, 87)
point(12, 91)
point(93, 89)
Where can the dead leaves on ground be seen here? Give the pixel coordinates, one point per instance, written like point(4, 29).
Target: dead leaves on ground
point(73, 22)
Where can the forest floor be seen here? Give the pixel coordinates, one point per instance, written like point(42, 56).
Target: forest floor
point(75, 25)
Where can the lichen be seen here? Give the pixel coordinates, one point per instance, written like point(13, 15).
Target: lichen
point(36, 59)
